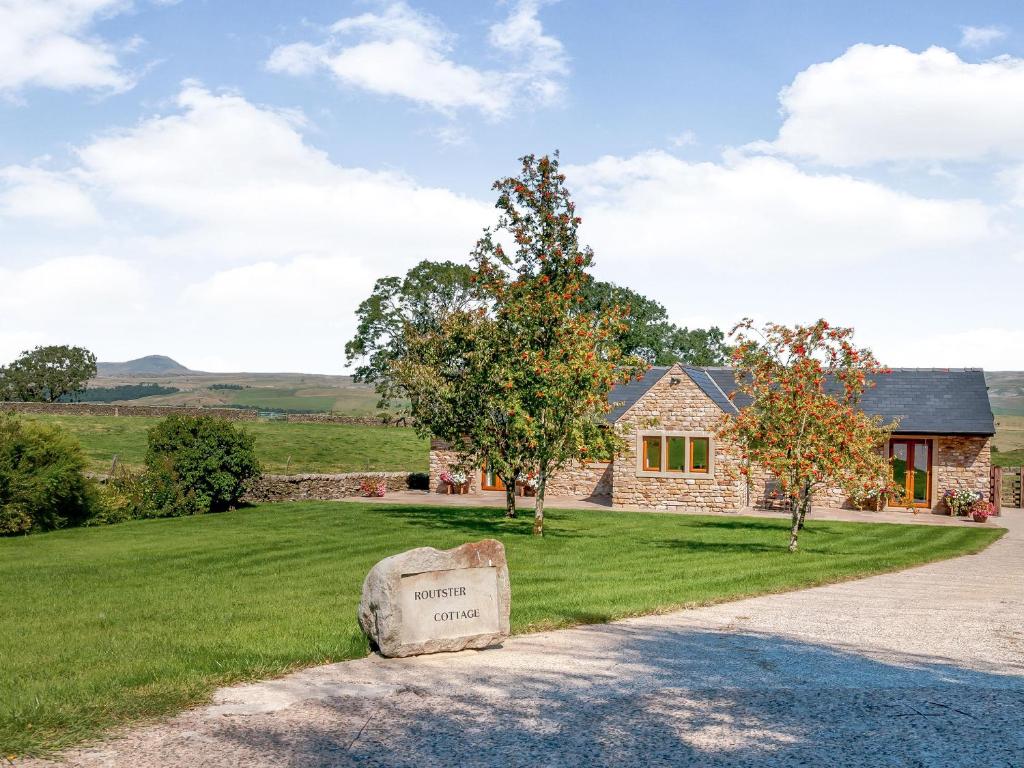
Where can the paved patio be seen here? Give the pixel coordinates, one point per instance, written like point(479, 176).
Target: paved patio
point(525, 506)
point(924, 667)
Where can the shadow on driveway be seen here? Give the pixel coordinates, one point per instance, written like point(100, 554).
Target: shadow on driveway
point(661, 697)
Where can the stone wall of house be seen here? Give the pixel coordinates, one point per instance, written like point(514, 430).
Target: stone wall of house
point(319, 487)
point(675, 403)
point(577, 481)
point(582, 481)
point(443, 457)
point(961, 462)
point(957, 462)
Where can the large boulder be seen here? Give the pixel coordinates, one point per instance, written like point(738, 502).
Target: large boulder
point(428, 600)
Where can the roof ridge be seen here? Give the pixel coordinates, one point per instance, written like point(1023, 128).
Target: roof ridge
point(721, 391)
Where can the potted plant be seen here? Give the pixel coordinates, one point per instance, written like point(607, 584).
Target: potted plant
point(530, 485)
point(455, 480)
point(959, 501)
point(373, 487)
point(982, 510)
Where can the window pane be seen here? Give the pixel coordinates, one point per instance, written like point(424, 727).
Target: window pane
point(698, 454)
point(899, 466)
point(676, 454)
point(920, 472)
point(652, 454)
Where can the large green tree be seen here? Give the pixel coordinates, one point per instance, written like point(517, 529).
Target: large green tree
point(416, 304)
point(562, 358)
point(456, 377)
point(523, 378)
point(47, 374)
point(431, 291)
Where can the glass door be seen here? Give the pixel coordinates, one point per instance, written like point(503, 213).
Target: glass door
point(489, 481)
point(912, 471)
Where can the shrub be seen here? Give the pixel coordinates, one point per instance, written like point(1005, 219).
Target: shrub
point(123, 497)
point(419, 481)
point(197, 464)
point(42, 479)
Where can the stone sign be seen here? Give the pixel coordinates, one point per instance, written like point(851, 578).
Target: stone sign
point(428, 600)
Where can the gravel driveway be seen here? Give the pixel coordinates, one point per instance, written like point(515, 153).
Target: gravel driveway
point(919, 668)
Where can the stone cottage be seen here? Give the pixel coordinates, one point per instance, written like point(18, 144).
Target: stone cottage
point(673, 459)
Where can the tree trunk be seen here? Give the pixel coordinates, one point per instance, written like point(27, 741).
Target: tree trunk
point(805, 505)
point(538, 505)
point(510, 497)
point(794, 531)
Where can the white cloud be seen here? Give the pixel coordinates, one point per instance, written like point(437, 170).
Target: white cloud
point(70, 300)
point(233, 219)
point(684, 139)
point(27, 192)
point(990, 347)
point(47, 43)
point(760, 237)
point(880, 103)
point(759, 213)
point(405, 53)
point(980, 37)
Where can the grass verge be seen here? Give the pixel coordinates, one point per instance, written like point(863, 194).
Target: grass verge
point(105, 626)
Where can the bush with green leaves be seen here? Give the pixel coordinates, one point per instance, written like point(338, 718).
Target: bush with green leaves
point(43, 485)
point(197, 464)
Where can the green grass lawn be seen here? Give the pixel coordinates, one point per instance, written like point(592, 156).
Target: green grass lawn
point(282, 447)
point(108, 625)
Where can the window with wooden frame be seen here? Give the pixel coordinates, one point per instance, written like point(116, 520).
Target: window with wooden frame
point(700, 454)
point(672, 453)
point(652, 454)
point(676, 454)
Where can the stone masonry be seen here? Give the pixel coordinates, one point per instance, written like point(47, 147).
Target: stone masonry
point(319, 487)
point(676, 404)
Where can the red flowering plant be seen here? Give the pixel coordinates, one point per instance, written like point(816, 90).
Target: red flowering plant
point(803, 424)
point(373, 486)
point(982, 510)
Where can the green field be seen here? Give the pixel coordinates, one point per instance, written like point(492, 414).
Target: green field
point(353, 402)
point(281, 446)
point(109, 625)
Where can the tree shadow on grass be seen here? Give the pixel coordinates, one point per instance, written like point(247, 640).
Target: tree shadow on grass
point(666, 696)
point(813, 527)
point(692, 545)
point(488, 522)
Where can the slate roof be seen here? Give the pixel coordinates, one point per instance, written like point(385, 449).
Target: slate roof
point(929, 401)
point(623, 396)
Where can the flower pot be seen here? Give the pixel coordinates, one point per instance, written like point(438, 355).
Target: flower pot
point(980, 518)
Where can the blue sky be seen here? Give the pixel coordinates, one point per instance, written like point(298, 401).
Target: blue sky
point(223, 181)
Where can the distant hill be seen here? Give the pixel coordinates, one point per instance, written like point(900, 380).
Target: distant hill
point(150, 365)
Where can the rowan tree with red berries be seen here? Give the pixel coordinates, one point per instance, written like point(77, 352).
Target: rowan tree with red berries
point(562, 360)
point(803, 424)
point(522, 380)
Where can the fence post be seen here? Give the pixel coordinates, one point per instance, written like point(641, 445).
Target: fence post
point(996, 487)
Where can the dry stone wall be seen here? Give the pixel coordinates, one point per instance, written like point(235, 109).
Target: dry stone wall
point(319, 487)
point(109, 409)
